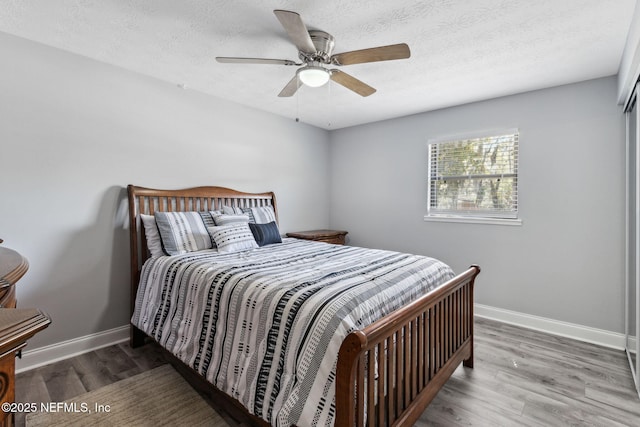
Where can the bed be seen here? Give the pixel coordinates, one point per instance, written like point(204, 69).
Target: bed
point(373, 366)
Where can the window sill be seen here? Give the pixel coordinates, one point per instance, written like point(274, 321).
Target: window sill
point(471, 220)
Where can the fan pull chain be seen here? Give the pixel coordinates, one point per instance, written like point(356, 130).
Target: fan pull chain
point(329, 101)
point(297, 106)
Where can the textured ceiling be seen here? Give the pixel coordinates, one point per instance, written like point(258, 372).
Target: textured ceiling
point(461, 51)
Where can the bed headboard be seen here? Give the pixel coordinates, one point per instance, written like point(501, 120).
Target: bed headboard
point(148, 201)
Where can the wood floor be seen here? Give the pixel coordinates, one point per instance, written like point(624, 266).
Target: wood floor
point(521, 377)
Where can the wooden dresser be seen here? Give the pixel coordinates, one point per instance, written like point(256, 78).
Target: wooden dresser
point(12, 268)
point(329, 236)
point(16, 326)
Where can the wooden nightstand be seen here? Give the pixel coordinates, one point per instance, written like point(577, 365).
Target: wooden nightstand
point(336, 237)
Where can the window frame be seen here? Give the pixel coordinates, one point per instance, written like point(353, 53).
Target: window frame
point(462, 216)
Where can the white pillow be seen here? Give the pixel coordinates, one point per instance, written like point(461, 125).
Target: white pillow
point(154, 243)
point(233, 238)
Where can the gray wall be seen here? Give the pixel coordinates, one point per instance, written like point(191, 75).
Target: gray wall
point(566, 261)
point(74, 132)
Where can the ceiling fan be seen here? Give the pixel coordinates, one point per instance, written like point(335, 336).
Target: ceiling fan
point(315, 49)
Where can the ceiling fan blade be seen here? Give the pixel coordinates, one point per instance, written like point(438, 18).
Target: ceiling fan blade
point(291, 87)
point(374, 54)
point(351, 83)
point(296, 29)
point(233, 60)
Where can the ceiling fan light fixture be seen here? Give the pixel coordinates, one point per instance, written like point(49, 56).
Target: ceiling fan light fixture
point(313, 76)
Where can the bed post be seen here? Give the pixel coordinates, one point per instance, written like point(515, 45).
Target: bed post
point(348, 363)
point(136, 336)
point(468, 362)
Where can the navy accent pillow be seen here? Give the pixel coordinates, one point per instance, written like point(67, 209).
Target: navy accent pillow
point(266, 233)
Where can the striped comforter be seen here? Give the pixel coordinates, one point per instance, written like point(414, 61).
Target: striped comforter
point(265, 325)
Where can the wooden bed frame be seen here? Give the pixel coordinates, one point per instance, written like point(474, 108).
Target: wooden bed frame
point(416, 348)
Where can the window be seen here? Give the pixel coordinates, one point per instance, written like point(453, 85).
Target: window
point(474, 178)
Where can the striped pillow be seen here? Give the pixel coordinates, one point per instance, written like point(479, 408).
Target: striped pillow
point(260, 215)
point(184, 232)
point(233, 238)
point(222, 219)
point(266, 233)
point(231, 210)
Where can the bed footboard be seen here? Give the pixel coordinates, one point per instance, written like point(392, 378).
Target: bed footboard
point(389, 372)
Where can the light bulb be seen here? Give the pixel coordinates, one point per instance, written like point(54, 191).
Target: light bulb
point(313, 76)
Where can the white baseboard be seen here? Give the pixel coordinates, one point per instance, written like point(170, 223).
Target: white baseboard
point(52, 353)
point(555, 327)
point(55, 352)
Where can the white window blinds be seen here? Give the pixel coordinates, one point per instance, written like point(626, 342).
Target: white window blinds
point(475, 177)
